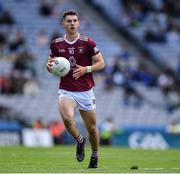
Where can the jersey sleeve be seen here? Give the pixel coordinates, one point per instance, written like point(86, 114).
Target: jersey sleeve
point(52, 49)
point(93, 49)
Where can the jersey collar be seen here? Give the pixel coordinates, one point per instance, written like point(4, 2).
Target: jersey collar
point(72, 41)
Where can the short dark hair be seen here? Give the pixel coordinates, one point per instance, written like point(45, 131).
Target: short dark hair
point(69, 12)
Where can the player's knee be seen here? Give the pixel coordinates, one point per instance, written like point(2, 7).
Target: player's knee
point(92, 129)
point(67, 122)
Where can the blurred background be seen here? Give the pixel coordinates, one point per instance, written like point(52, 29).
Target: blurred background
point(138, 101)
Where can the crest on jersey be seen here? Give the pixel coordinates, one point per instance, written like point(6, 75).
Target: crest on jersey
point(81, 50)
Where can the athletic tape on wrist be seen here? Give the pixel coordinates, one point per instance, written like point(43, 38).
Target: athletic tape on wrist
point(89, 69)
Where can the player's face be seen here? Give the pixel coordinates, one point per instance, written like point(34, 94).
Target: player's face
point(71, 24)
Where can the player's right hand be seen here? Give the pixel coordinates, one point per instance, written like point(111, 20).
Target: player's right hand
point(50, 64)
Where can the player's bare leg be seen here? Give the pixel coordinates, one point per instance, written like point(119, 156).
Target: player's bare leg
point(66, 108)
point(89, 118)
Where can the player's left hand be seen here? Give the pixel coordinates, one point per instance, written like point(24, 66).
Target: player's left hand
point(79, 71)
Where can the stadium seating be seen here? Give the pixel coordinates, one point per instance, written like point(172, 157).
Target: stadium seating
point(168, 53)
point(44, 104)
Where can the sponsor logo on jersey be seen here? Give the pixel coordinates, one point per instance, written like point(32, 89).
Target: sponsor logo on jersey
point(72, 61)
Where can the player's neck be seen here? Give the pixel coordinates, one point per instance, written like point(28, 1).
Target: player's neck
point(71, 37)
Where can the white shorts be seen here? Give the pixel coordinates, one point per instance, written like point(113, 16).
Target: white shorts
point(84, 100)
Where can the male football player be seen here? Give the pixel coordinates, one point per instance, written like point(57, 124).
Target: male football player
point(76, 88)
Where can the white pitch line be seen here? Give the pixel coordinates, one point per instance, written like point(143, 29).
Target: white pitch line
point(159, 168)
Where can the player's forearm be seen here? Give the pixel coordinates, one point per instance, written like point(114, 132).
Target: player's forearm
point(98, 66)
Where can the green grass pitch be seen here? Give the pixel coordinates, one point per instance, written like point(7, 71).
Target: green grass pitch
point(61, 159)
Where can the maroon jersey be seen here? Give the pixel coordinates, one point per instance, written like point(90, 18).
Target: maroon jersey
point(78, 52)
